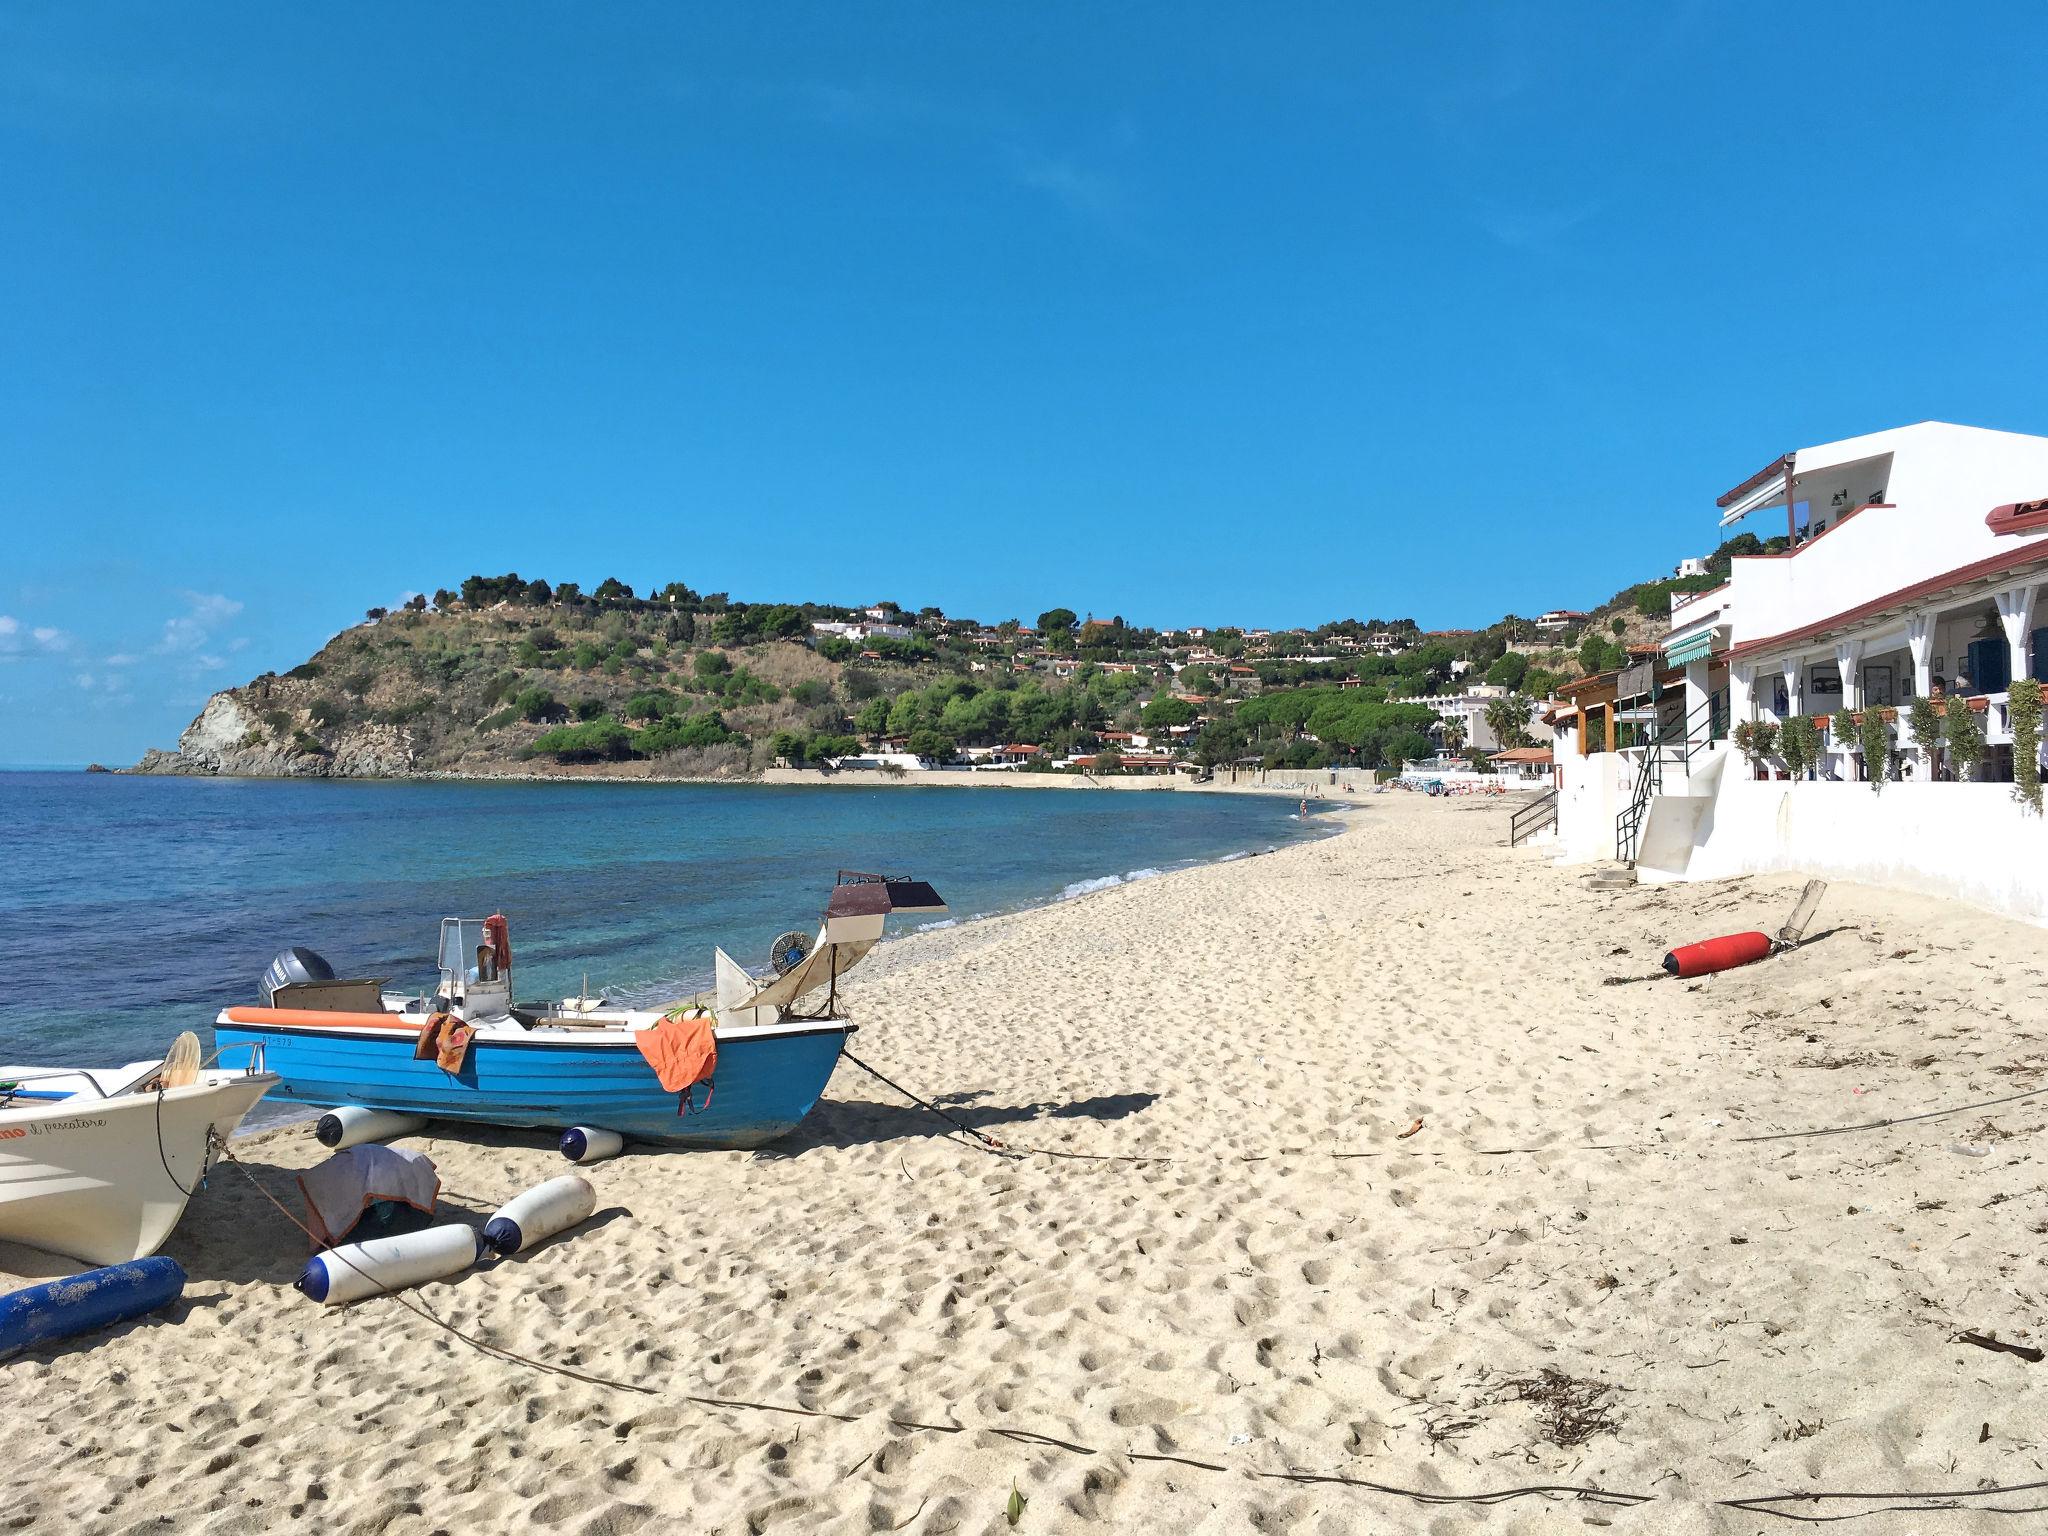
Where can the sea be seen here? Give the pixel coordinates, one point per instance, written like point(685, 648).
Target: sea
point(133, 908)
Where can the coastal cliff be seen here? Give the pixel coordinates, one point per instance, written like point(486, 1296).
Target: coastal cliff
point(232, 737)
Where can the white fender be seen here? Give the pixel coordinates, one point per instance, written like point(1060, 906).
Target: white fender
point(585, 1144)
point(352, 1125)
point(540, 1213)
point(356, 1270)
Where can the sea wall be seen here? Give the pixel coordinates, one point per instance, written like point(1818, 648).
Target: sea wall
point(1968, 841)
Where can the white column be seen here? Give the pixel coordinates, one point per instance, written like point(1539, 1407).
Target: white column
point(1920, 642)
point(1741, 699)
point(1696, 694)
point(1793, 671)
point(2016, 614)
point(1849, 662)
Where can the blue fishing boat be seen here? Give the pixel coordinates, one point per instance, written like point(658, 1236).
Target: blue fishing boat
point(737, 1067)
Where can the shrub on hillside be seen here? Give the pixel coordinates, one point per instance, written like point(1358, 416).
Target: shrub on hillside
point(677, 733)
point(537, 705)
point(595, 740)
point(651, 705)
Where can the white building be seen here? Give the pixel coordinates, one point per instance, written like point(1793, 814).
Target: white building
point(1911, 570)
point(1693, 565)
point(1468, 711)
point(870, 630)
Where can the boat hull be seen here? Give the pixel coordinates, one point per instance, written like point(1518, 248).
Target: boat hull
point(766, 1081)
point(98, 1179)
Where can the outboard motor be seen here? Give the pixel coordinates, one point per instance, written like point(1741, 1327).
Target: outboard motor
point(297, 966)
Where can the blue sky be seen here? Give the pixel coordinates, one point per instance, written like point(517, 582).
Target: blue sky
point(1188, 313)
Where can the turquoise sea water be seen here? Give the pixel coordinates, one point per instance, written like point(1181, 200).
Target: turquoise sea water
point(132, 908)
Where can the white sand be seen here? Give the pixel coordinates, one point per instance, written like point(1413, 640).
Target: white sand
point(1772, 1317)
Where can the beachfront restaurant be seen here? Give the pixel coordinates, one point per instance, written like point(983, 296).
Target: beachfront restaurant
point(1902, 579)
point(1910, 566)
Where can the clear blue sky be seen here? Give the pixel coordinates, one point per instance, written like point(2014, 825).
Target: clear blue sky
point(1261, 314)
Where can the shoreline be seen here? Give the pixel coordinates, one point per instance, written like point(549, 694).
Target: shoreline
point(1078, 890)
point(1303, 781)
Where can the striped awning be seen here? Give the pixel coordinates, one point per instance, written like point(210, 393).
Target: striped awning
point(1692, 648)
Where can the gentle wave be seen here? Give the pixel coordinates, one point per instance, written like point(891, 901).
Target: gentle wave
point(1083, 887)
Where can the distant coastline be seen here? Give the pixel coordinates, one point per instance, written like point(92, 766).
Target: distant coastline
point(1280, 781)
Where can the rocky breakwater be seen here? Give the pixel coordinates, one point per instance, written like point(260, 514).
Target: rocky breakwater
point(278, 735)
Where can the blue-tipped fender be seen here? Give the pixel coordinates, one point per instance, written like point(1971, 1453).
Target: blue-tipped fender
point(587, 1144)
point(352, 1125)
point(540, 1213)
point(385, 1264)
point(99, 1298)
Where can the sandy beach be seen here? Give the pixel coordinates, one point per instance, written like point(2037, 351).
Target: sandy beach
point(1576, 1273)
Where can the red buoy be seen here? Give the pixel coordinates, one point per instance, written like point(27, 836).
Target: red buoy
point(1722, 954)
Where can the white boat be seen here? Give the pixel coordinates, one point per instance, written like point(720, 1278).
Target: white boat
point(97, 1163)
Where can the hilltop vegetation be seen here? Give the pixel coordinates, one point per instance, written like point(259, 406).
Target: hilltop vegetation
point(508, 674)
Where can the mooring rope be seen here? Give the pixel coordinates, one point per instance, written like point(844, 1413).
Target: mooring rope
point(1014, 1151)
point(421, 1309)
point(1763, 1504)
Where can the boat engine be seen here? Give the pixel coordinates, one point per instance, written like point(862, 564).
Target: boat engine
point(295, 967)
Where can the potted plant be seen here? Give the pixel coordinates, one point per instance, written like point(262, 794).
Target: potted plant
point(1756, 740)
point(1925, 723)
point(1874, 737)
point(1965, 735)
point(2023, 704)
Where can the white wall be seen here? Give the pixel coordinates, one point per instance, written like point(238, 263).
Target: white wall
point(1943, 481)
point(1588, 800)
point(1970, 841)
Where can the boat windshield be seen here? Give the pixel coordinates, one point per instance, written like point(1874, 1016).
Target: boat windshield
point(460, 937)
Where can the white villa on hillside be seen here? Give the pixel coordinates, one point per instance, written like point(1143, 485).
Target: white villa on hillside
point(1467, 710)
point(1912, 563)
point(872, 629)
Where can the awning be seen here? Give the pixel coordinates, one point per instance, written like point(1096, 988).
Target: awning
point(1636, 682)
point(1769, 486)
point(858, 906)
point(1692, 648)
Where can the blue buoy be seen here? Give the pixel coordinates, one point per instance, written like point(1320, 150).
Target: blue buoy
point(99, 1298)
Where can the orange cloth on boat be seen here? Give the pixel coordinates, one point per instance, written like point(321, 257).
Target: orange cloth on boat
point(445, 1040)
point(682, 1049)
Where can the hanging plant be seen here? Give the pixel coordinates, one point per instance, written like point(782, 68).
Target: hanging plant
point(1965, 738)
point(1926, 723)
point(1799, 745)
point(1790, 748)
point(1874, 736)
point(2024, 704)
point(1755, 740)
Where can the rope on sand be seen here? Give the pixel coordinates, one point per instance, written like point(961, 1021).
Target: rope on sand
point(421, 1309)
point(986, 1143)
point(1926, 1502)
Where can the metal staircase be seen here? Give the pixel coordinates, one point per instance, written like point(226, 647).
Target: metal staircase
point(1673, 747)
point(1532, 818)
